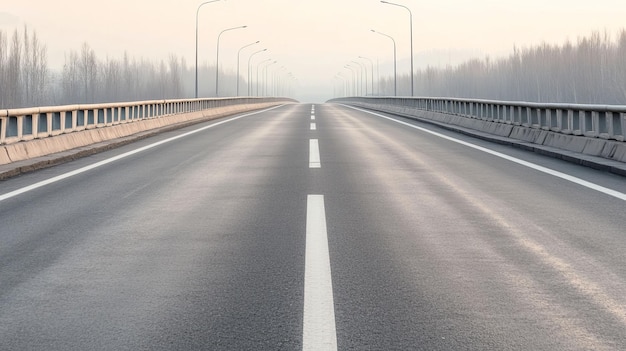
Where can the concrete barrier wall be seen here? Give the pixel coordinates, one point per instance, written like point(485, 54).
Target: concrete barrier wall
point(33, 148)
point(23, 124)
point(584, 142)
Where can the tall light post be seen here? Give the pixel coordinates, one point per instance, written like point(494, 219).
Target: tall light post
point(365, 72)
point(411, 28)
point(276, 80)
point(217, 58)
point(372, 72)
point(250, 70)
point(356, 92)
point(258, 66)
point(395, 64)
point(239, 52)
point(265, 79)
point(359, 77)
point(197, 11)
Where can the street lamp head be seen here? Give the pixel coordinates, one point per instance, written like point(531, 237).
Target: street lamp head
point(373, 31)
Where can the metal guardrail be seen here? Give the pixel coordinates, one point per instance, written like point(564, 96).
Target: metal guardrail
point(40, 122)
point(597, 121)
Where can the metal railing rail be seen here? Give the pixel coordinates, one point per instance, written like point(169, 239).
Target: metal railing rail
point(597, 121)
point(40, 122)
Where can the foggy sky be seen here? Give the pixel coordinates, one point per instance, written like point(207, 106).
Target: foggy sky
point(313, 39)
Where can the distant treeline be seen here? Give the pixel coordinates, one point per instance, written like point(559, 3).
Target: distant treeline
point(591, 71)
point(26, 80)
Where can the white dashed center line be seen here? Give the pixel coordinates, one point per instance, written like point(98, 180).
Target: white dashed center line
point(318, 327)
point(314, 154)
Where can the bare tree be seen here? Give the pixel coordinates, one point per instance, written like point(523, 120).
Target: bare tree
point(3, 70)
point(88, 73)
point(70, 77)
point(13, 79)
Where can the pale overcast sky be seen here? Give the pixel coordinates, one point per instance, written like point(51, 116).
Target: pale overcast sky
point(313, 39)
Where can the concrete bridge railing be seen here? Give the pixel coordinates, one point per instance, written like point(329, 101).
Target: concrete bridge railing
point(596, 130)
point(601, 121)
point(39, 122)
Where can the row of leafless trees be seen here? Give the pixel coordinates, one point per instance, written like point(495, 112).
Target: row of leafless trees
point(26, 80)
point(85, 79)
point(592, 70)
point(24, 74)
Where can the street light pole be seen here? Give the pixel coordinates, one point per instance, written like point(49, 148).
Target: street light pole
point(239, 52)
point(250, 69)
point(265, 79)
point(276, 80)
point(217, 59)
point(365, 72)
point(395, 72)
point(372, 72)
point(197, 11)
point(257, 74)
point(356, 92)
point(411, 28)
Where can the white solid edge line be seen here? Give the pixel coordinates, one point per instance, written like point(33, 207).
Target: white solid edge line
point(119, 157)
point(318, 325)
point(546, 170)
point(314, 154)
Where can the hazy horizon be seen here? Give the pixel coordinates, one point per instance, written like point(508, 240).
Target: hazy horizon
point(314, 40)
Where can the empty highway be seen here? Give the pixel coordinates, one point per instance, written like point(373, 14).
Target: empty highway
point(313, 227)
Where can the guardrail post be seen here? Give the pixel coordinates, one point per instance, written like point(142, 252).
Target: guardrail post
point(3, 129)
point(544, 118)
point(32, 125)
point(605, 118)
point(587, 123)
point(508, 114)
point(533, 118)
point(619, 120)
point(594, 125)
point(551, 119)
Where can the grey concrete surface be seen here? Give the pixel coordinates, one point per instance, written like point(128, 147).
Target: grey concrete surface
point(198, 244)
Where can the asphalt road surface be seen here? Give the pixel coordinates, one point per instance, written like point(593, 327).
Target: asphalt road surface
point(313, 227)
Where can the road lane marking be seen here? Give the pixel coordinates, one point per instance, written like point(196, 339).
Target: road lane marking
point(546, 170)
point(314, 154)
point(312, 117)
point(313, 126)
point(318, 327)
point(119, 157)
